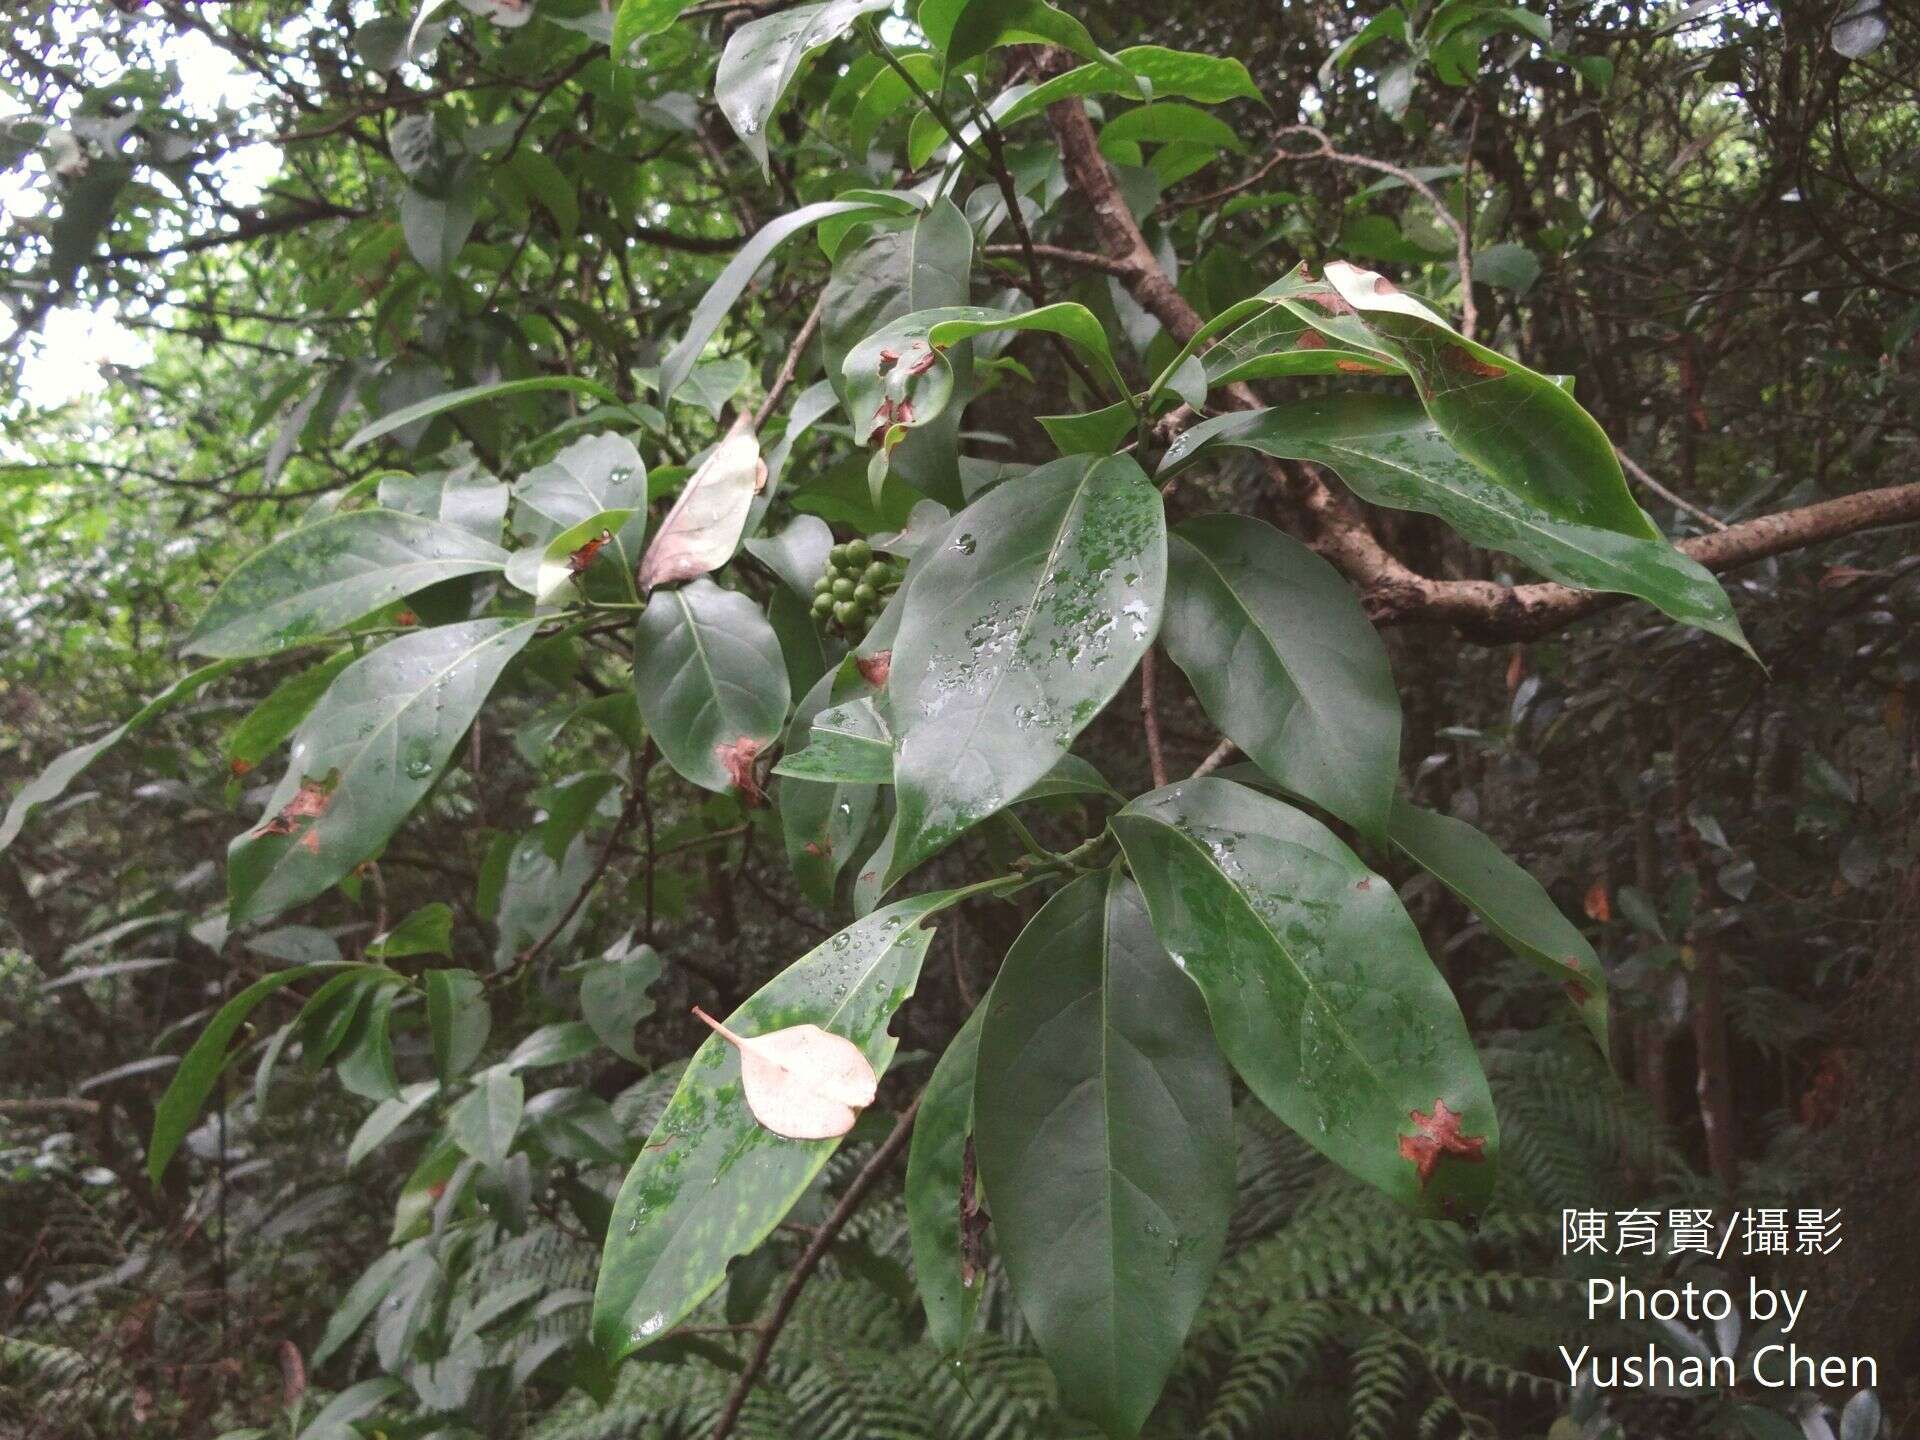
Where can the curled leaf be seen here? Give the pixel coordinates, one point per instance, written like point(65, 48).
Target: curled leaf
point(703, 529)
point(738, 760)
point(802, 1083)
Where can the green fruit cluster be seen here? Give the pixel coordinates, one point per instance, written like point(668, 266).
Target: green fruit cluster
point(853, 589)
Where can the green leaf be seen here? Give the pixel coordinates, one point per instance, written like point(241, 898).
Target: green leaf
point(1094, 432)
point(321, 577)
point(1513, 905)
point(1104, 1127)
point(485, 1120)
point(576, 549)
point(593, 475)
point(637, 19)
point(710, 1183)
point(472, 395)
point(963, 29)
point(614, 998)
point(1285, 663)
point(764, 55)
point(1518, 426)
point(458, 1020)
point(1017, 629)
point(798, 554)
point(427, 931)
point(822, 823)
point(369, 752)
point(1391, 454)
point(709, 680)
point(900, 378)
point(1165, 121)
point(193, 1081)
point(51, 783)
point(1210, 79)
point(1321, 994)
point(270, 722)
point(849, 745)
point(387, 1117)
point(714, 305)
point(366, 1066)
point(936, 1171)
point(554, 1044)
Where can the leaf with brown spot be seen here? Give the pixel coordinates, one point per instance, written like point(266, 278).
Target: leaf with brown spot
point(1310, 340)
point(1439, 1135)
point(802, 1083)
point(1466, 362)
point(309, 802)
point(581, 560)
point(875, 668)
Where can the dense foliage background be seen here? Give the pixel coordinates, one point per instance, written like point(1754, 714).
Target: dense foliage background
point(1704, 213)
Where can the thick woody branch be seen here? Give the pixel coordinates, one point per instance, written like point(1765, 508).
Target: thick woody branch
point(1392, 593)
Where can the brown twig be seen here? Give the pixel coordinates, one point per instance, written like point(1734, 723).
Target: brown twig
point(809, 1261)
point(790, 366)
point(1150, 716)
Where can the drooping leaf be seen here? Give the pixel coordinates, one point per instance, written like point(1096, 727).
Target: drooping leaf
point(678, 362)
point(486, 1119)
point(370, 750)
point(614, 998)
point(1285, 662)
point(193, 1081)
point(1104, 1127)
point(801, 1082)
point(1210, 79)
point(1321, 994)
point(472, 395)
point(458, 1020)
point(1016, 630)
point(764, 55)
point(365, 1067)
point(703, 528)
point(847, 745)
point(1511, 902)
point(1391, 454)
point(51, 783)
point(710, 683)
point(937, 1172)
point(323, 576)
point(963, 29)
point(710, 1183)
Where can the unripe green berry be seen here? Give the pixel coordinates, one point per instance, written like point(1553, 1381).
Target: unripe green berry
point(823, 584)
point(837, 556)
point(843, 611)
point(876, 574)
point(822, 606)
point(843, 589)
point(865, 593)
point(859, 552)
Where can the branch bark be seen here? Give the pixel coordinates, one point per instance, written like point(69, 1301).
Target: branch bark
point(1392, 593)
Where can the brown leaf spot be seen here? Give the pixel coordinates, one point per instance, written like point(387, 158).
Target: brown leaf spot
point(310, 842)
point(1310, 340)
point(1598, 904)
point(1355, 367)
point(1578, 991)
point(580, 561)
point(882, 422)
point(739, 758)
point(309, 802)
point(1384, 286)
point(406, 619)
point(1331, 301)
point(239, 766)
point(818, 848)
point(888, 359)
point(923, 363)
point(1439, 1134)
point(1458, 357)
point(875, 668)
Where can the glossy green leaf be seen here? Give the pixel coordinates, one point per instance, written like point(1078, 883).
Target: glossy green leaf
point(1321, 994)
point(369, 752)
point(193, 1081)
point(387, 1117)
point(1285, 662)
point(474, 395)
point(710, 1182)
point(1167, 120)
point(710, 681)
point(51, 783)
point(636, 19)
point(427, 931)
point(614, 998)
point(1103, 1122)
point(963, 29)
point(1513, 905)
point(458, 1019)
point(936, 1171)
point(466, 496)
point(1017, 628)
point(365, 1067)
point(1093, 432)
point(323, 576)
point(763, 57)
point(1391, 454)
point(678, 362)
point(1210, 79)
point(798, 554)
point(594, 474)
point(486, 1119)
